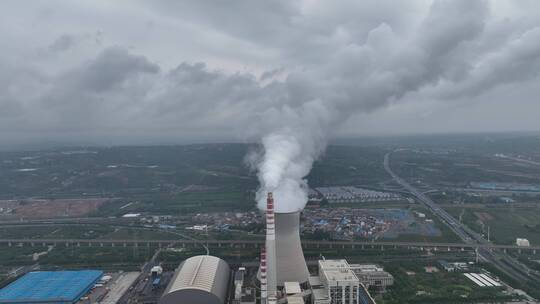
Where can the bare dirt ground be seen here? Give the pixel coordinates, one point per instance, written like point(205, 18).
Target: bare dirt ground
point(483, 216)
point(38, 208)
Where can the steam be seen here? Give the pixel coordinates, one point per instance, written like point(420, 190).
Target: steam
point(327, 61)
point(288, 154)
point(357, 78)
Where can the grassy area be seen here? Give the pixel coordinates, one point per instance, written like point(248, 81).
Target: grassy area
point(506, 224)
point(98, 257)
point(56, 232)
point(26, 232)
point(414, 285)
point(15, 256)
point(139, 234)
point(79, 232)
point(372, 205)
point(181, 203)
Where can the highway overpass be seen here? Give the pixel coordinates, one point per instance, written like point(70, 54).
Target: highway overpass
point(257, 243)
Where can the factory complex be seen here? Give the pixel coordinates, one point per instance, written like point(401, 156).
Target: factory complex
point(351, 194)
point(58, 287)
point(282, 276)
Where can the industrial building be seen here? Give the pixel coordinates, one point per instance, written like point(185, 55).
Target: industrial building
point(290, 262)
point(350, 194)
point(243, 294)
point(340, 281)
point(200, 279)
point(283, 271)
point(372, 276)
point(58, 287)
point(285, 257)
point(523, 242)
point(453, 266)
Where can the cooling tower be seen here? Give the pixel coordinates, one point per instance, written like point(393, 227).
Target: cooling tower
point(291, 264)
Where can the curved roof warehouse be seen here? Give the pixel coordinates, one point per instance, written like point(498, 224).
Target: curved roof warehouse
point(200, 279)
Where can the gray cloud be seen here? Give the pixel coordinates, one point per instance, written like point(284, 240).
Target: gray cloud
point(259, 63)
point(284, 73)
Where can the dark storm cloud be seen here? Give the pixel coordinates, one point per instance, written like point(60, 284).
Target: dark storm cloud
point(242, 66)
point(110, 69)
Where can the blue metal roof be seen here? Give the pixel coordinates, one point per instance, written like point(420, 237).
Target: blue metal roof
point(50, 287)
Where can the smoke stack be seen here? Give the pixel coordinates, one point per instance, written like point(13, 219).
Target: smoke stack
point(264, 283)
point(271, 249)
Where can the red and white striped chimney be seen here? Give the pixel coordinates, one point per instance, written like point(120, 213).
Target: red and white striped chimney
point(270, 224)
point(271, 250)
point(264, 282)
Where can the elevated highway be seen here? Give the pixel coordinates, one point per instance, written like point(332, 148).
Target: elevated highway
point(485, 249)
point(257, 243)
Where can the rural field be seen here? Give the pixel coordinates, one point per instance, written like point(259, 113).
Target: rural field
point(505, 223)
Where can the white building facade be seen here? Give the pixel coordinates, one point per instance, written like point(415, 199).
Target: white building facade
point(340, 281)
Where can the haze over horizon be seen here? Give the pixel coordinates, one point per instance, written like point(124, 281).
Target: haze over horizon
point(289, 75)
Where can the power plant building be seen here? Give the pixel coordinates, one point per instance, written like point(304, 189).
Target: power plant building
point(290, 262)
point(54, 287)
point(200, 279)
point(372, 276)
point(340, 281)
point(285, 260)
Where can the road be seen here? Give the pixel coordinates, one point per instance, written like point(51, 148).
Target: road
point(521, 160)
point(207, 244)
point(504, 262)
point(438, 211)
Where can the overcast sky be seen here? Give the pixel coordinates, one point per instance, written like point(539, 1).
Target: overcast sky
point(129, 72)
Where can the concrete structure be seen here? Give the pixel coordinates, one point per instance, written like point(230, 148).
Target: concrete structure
point(319, 293)
point(239, 283)
point(340, 281)
point(257, 243)
point(284, 255)
point(292, 288)
point(295, 300)
point(523, 242)
point(271, 252)
point(200, 279)
point(291, 264)
point(372, 276)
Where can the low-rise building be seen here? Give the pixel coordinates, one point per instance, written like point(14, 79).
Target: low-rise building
point(523, 242)
point(373, 276)
point(453, 266)
point(340, 281)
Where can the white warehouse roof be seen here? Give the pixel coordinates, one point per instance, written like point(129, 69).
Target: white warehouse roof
point(198, 280)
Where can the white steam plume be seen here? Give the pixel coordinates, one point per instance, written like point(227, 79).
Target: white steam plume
point(289, 152)
point(358, 78)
